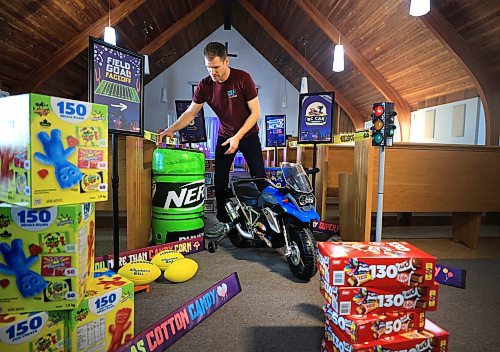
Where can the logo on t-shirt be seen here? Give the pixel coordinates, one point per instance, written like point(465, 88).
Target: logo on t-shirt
point(232, 93)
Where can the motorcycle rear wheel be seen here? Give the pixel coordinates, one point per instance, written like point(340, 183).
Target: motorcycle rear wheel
point(303, 259)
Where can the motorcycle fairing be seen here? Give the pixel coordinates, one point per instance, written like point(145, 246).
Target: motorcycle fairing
point(289, 208)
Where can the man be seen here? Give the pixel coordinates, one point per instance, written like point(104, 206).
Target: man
point(232, 95)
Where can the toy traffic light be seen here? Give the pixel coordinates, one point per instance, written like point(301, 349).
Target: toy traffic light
point(383, 124)
point(378, 128)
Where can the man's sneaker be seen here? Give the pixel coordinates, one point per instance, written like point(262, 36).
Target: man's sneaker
point(218, 229)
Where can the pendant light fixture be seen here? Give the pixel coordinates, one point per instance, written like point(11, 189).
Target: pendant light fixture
point(303, 83)
point(147, 27)
point(338, 57)
point(109, 32)
point(419, 7)
point(163, 97)
point(284, 102)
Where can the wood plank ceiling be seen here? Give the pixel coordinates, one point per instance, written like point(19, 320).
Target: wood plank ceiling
point(389, 54)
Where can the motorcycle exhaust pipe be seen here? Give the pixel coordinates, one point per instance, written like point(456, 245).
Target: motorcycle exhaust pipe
point(233, 215)
point(231, 211)
point(244, 233)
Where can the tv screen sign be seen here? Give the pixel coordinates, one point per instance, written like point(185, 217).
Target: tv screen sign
point(316, 117)
point(116, 80)
point(275, 131)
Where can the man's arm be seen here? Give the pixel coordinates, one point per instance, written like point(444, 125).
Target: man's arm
point(182, 121)
point(251, 120)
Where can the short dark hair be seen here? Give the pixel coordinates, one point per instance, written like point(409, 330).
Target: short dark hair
point(214, 49)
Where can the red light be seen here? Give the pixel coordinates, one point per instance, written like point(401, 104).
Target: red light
point(285, 201)
point(378, 110)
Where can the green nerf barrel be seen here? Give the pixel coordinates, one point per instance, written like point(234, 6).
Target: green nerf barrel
point(178, 194)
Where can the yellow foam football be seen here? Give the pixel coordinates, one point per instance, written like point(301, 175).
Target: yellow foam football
point(165, 258)
point(140, 272)
point(181, 270)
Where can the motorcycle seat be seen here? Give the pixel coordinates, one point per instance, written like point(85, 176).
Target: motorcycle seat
point(247, 193)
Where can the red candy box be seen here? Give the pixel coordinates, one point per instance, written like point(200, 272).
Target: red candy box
point(365, 300)
point(369, 327)
point(431, 339)
point(375, 264)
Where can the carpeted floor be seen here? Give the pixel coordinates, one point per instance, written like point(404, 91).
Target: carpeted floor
point(274, 312)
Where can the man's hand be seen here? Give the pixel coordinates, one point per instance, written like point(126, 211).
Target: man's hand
point(167, 133)
point(233, 142)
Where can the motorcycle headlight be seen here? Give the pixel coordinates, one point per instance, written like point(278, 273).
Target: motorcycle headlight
point(306, 199)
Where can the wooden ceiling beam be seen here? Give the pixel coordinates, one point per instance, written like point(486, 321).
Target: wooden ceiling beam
point(366, 68)
point(487, 86)
point(353, 113)
point(75, 46)
point(178, 26)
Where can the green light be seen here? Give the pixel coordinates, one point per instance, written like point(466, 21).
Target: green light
point(390, 132)
point(377, 138)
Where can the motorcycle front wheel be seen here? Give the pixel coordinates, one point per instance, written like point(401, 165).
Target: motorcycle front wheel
point(302, 260)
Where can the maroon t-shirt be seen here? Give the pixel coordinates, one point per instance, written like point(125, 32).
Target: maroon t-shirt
point(228, 100)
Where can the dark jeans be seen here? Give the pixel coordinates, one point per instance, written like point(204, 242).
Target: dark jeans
point(252, 152)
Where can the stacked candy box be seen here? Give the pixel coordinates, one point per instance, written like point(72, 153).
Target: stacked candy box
point(46, 256)
point(53, 151)
point(379, 300)
point(369, 327)
point(375, 264)
point(375, 293)
point(33, 332)
point(104, 320)
point(430, 339)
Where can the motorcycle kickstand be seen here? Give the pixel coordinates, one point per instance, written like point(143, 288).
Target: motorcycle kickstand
point(212, 244)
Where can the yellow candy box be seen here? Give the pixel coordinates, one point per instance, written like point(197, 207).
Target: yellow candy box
point(53, 151)
point(33, 332)
point(46, 256)
point(105, 318)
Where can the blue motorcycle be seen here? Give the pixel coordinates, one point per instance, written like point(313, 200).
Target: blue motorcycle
point(276, 216)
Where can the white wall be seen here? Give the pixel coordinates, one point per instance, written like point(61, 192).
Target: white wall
point(191, 68)
point(474, 124)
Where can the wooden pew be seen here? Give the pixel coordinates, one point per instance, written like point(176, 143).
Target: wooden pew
point(460, 179)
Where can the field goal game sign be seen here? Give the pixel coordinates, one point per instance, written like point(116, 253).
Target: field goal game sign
point(116, 80)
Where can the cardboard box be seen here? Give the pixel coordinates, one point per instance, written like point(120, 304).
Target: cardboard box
point(53, 151)
point(33, 332)
point(375, 264)
point(105, 318)
point(378, 300)
point(46, 256)
point(431, 339)
point(370, 327)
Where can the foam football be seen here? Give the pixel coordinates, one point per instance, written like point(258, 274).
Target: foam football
point(140, 272)
point(165, 258)
point(181, 270)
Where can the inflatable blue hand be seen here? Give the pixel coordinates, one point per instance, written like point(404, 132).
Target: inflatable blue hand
point(28, 282)
point(67, 174)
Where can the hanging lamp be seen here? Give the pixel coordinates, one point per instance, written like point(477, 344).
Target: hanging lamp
point(419, 7)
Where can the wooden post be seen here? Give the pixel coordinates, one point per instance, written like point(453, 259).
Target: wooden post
point(321, 181)
point(138, 194)
point(465, 228)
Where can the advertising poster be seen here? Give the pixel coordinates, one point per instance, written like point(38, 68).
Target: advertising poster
point(316, 117)
point(195, 132)
point(116, 80)
point(275, 131)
